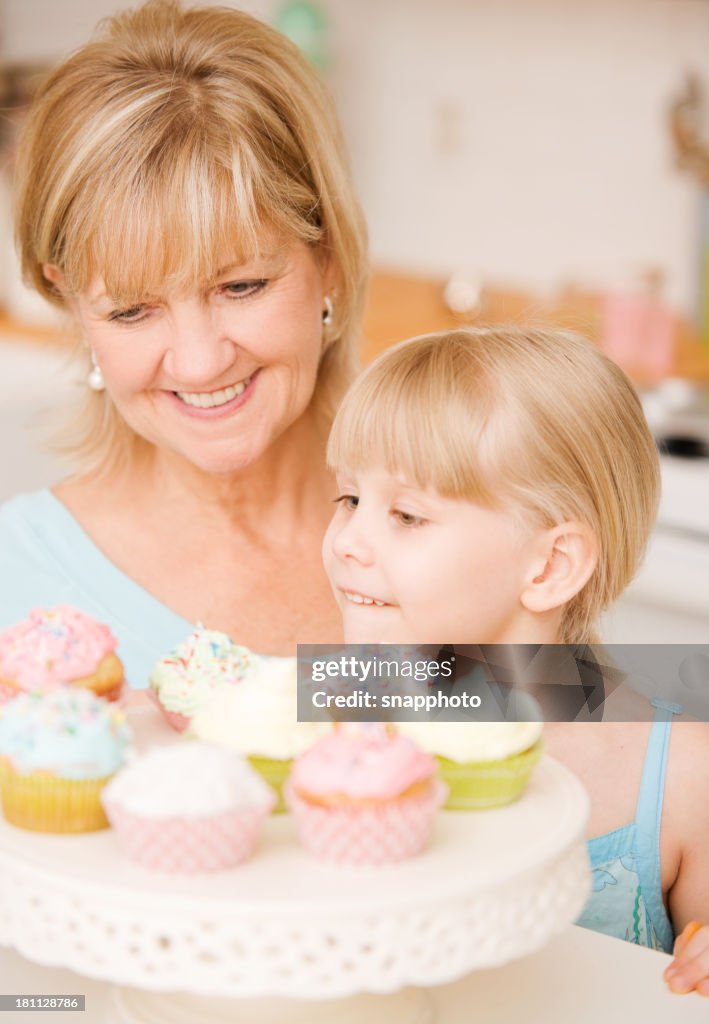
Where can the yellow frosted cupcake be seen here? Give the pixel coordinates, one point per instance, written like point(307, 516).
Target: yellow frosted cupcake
point(259, 718)
point(57, 751)
point(484, 764)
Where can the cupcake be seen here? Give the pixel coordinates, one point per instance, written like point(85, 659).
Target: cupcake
point(58, 749)
point(259, 719)
point(59, 645)
point(188, 676)
point(188, 808)
point(484, 764)
point(364, 795)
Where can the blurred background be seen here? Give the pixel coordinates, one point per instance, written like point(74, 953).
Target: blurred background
point(523, 160)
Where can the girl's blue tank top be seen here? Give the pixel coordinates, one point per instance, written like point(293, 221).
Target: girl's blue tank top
point(626, 900)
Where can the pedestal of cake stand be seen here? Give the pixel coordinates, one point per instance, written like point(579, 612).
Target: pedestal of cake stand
point(493, 886)
point(132, 1006)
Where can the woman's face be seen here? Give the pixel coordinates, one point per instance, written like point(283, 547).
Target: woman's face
point(214, 376)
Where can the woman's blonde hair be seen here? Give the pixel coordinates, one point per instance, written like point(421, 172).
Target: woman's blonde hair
point(539, 422)
point(177, 136)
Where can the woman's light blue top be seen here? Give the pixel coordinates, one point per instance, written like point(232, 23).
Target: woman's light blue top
point(626, 900)
point(46, 558)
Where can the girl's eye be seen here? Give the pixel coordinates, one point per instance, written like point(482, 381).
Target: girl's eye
point(243, 289)
point(408, 518)
point(128, 316)
point(348, 501)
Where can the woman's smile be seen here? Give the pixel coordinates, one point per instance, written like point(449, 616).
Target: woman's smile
point(210, 405)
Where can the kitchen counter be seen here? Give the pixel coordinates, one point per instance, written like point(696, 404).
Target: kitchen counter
point(402, 305)
point(580, 976)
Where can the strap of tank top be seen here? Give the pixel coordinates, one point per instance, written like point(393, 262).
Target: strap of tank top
point(648, 814)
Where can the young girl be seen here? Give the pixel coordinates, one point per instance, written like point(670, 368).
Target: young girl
point(499, 486)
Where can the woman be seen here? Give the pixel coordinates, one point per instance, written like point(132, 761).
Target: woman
point(184, 195)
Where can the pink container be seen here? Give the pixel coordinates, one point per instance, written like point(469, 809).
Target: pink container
point(367, 834)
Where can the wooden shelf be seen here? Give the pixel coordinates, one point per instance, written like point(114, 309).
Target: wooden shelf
point(402, 305)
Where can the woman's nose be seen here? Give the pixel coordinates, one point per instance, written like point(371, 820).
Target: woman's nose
point(354, 540)
point(198, 350)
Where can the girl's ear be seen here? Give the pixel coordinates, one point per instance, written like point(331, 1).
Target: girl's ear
point(53, 274)
point(566, 558)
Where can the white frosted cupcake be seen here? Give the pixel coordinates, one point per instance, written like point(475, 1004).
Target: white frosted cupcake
point(259, 719)
point(188, 808)
point(186, 678)
point(485, 764)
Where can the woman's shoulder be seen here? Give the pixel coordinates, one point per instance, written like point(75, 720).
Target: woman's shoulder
point(25, 513)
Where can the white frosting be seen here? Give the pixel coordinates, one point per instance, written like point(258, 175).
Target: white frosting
point(259, 715)
point(188, 779)
point(472, 741)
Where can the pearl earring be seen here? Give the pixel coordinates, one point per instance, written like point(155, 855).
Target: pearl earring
point(95, 378)
point(327, 312)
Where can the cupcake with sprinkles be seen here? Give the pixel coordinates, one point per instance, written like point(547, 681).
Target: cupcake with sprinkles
point(185, 679)
point(58, 749)
point(59, 645)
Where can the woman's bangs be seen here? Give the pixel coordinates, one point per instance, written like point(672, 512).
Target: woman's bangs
point(173, 226)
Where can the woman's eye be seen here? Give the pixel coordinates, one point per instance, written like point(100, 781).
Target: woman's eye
point(348, 501)
point(129, 316)
point(408, 518)
point(243, 289)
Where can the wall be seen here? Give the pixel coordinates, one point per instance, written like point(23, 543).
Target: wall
point(524, 139)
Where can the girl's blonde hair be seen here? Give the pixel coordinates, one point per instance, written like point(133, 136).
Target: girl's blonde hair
point(176, 137)
point(538, 422)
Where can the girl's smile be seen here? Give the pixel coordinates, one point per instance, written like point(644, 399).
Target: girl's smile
point(410, 566)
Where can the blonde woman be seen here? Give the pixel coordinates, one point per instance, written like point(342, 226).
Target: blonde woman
point(498, 487)
point(184, 194)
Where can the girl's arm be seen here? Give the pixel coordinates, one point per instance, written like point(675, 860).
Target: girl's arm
point(688, 815)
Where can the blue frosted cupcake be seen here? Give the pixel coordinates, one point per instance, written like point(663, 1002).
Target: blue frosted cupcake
point(57, 751)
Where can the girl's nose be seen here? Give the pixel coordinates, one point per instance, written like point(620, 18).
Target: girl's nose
point(352, 540)
point(199, 352)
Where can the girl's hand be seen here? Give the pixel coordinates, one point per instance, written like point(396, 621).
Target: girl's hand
point(690, 968)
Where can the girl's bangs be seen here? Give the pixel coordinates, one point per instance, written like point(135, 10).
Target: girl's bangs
point(416, 427)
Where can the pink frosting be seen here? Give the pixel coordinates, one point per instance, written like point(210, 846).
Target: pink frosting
point(53, 645)
point(362, 763)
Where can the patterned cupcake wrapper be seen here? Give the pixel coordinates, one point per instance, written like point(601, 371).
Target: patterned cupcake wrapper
point(175, 719)
point(367, 834)
point(44, 803)
point(477, 785)
point(182, 845)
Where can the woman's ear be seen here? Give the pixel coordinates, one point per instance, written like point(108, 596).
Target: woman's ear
point(566, 558)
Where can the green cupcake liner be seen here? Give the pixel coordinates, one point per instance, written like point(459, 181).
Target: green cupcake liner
point(477, 785)
point(274, 772)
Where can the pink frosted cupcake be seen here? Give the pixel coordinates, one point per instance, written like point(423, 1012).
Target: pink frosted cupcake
point(53, 646)
point(364, 795)
point(188, 808)
point(187, 678)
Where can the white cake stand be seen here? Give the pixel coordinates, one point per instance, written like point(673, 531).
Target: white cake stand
point(293, 939)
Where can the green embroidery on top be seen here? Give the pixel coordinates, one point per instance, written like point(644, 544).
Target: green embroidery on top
point(636, 916)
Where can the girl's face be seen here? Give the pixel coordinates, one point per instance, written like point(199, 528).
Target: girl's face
point(409, 566)
point(215, 376)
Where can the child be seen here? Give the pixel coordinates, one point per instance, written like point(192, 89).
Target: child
point(499, 486)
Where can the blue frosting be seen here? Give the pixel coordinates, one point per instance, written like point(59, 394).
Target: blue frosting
point(67, 731)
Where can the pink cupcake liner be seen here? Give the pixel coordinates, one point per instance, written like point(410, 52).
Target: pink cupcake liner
point(188, 846)
point(367, 834)
point(178, 721)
